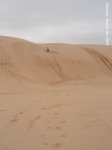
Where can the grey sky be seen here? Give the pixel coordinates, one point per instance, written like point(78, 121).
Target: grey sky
point(58, 21)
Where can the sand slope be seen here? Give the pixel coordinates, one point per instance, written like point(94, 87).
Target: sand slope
point(22, 60)
point(59, 99)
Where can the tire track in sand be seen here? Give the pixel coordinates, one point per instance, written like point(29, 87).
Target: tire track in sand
point(102, 60)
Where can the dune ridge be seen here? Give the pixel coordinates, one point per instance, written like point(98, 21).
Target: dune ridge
point(24, 60)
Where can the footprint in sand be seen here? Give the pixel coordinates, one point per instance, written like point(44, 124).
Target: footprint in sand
point(52, 107)
point(11, 122)
point(21, 113)
point(63, 122)
point(42, 135)
point(57, 145)
point(33, 122)
point(59, 128)
point(45, 144)
point(56, 114)
point(15, 118)
point(55, 127)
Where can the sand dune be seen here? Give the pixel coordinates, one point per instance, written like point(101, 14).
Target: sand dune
point(24, 60)
point(59, 99)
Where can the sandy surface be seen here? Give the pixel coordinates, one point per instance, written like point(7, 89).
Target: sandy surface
point(61, 99)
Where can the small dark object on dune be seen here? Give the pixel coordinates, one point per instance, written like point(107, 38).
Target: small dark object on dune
point(47, 50)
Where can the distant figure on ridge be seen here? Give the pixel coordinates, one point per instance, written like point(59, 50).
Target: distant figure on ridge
point(47, 50)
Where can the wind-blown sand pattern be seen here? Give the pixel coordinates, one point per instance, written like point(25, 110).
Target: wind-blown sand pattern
point(61, 99)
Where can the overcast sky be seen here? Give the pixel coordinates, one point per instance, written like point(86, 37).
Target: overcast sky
point(57, 21)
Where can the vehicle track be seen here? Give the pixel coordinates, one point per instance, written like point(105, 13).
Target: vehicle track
point(102, 60)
